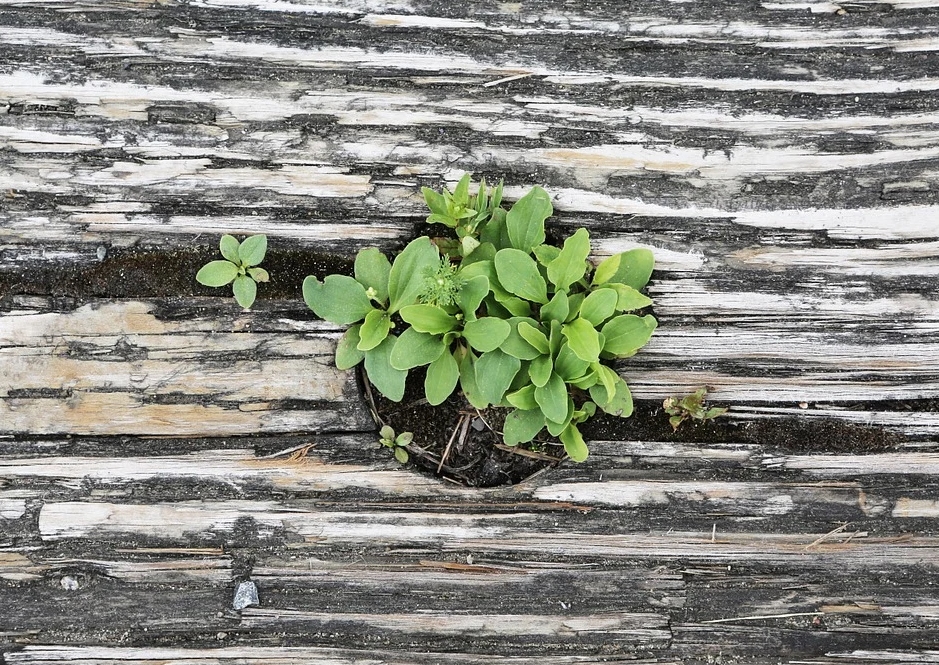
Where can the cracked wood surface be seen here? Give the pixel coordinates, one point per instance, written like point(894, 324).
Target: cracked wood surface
point(780, 159)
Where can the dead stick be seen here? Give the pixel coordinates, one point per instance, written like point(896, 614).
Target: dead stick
point(822, 539)
point(370, 398)
point(446, 451)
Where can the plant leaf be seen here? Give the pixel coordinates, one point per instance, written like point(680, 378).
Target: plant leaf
point(217, 273)
point(552, 398)
point(606, 378)
point(441, 379)
point(632, 268)
point(627, 333)
point(428, 318)
point(540, 370)
point(229, 248)
point(487, 333)
point(408, 272)
point(574, 444)
point(628, 298)
point(338, 299)
point(556, 428)
point(515, 344)
point(534, 337)
point(388, 380)
point(518, 273)
point(494, 373)
point(376, 327)
point(371, 270)
point(245, 290)
point(515, 306)
point(461, 193)
point(471, 296)
point(259, 274)
point(252, 250)
point(435, 201)
point(525, 221)
point(570, 265)
point(467, 365)
point(523, 398)
point(414, 349)
point(583, 339)
point(621, 404)
point(545, 253)
point(555, 338)
point(401, 455)
point(557, 309)
point(599, 306)
point(522, 426)
point(568, 365)
point(347, 352)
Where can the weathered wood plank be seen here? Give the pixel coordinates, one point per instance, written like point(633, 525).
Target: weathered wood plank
point(205, 375)
point(505, 534)
point(287, 655)
point(780, 159)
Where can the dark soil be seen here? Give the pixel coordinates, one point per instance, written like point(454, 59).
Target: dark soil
point(135, 273)
point(477, 457)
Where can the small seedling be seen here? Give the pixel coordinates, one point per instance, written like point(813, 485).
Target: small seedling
point(398, 443)
point(239, 268)
point(691, 407)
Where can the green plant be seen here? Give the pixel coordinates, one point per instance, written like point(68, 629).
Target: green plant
point(511, 320)
point(690, 407)
point(239, 268)
point(463, 212)
point(398, 443)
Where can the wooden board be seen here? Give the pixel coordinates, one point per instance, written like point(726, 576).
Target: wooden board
point(780, 158)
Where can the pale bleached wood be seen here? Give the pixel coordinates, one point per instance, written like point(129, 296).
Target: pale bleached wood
point(31, 567)
point(868, 656)
point(13, 503)
point(721, 498)
point(493, 533)
point(64, 371)
point(283, 655)
point(906, 464)
point(241, 467)
point(616, 626)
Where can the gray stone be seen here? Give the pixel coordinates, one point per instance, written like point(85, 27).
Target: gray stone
point(245, 596)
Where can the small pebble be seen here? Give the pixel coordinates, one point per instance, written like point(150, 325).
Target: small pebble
point(245, 596)
point(69, 583)
point(221, 636)
point(102, 252)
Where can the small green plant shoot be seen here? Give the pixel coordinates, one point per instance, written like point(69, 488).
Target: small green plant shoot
point(512, 321)
point(398, 443)
point(238, 269)
point(691, 407)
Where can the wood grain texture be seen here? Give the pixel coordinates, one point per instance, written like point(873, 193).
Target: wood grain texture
point(780, 158)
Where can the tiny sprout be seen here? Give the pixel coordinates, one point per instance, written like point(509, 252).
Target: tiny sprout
point(441, 284)
point(239, 268)
point(398, 443)
point(690, 407)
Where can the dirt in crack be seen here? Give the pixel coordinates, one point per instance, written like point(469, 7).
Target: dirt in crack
point(138, 273)
point(475, 455)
